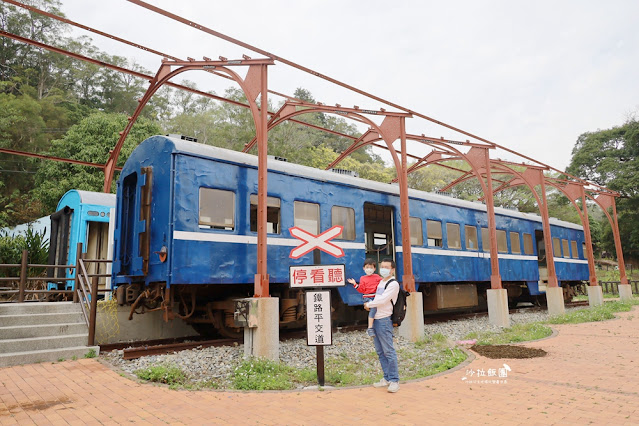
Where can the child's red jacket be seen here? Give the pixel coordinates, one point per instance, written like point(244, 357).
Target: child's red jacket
point(368, 285)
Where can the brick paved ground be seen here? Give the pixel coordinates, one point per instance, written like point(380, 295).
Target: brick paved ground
point(590, 375)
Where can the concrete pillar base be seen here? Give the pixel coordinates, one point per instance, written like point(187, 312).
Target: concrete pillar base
point(555, 301)
point(263, 341)
point(595, 295)
point(412, 327)
point(625, 292)
point(498, 307)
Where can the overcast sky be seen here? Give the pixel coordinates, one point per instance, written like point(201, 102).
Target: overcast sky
point(531, 76)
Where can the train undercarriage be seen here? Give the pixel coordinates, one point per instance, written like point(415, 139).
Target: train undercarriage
point(210, 309)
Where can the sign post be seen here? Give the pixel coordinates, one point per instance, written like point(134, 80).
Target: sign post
point(318, 302)
point(319, 332)
point(318, 326)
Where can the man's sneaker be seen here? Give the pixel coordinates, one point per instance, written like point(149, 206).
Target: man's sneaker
point(381, 384)
point(393, 387)
point(370, 332)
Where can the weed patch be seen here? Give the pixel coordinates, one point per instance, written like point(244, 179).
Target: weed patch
point(515, 334)
point(167, 374)
point(595, 313)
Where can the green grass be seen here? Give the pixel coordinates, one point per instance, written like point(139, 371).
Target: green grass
point(537, 330)
point(584, 297)
point(90, 354)
point(424, 358)
point(167, 374)
point(515, 334)
point(262, 374)
point(595, 313)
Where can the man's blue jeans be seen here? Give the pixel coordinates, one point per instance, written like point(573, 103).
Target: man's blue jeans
point(384, 347)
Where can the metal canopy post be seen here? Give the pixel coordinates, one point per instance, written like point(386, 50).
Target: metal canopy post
point(408, 278)
point(495, 277)
point(615, 229)
point(589, 252)
point(545, 218)
point(262, 278)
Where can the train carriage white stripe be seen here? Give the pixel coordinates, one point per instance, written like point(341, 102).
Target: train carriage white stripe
point(293, 242)
point(250, 239)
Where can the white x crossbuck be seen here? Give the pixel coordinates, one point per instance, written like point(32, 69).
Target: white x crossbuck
point(312, 242)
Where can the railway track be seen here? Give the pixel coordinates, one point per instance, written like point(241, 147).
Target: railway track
point(161, 347)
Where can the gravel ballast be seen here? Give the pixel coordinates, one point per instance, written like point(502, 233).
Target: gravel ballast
point(217, 363)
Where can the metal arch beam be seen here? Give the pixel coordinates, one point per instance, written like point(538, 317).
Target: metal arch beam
point(212, 32)
point(572, 191)
point(149, 77)
point(162, 77)
point(254, 84)
point(391, 129)
point(163, 55)
point(477, 157)
point(605, 201)
point(532, 177)
point(583, 215)
point(51, 157)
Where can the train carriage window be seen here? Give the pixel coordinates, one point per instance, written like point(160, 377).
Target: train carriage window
point(564, 244)
point(528, 244)
point(556, 247)
point(485, 239)
point(307, 217)
point(471, 237)
point(453, 235)
point(416, 233)
point(217, 209)
point(502, 243)
point(584, 251)
point(515, 244)
point(272, 214)
point(344, 216)
point(573, 246)
point(434, 230)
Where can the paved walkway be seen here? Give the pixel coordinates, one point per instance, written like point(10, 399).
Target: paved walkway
point(590, 375)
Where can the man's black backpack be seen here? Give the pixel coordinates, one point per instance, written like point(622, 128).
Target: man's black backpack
point(399, 307)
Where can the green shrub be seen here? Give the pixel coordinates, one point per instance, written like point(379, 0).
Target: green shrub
point(11, 248)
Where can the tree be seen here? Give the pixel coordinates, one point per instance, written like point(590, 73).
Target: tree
point(611, 158)
point(90, 140)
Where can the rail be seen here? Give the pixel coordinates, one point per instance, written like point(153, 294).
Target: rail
point(612, 287)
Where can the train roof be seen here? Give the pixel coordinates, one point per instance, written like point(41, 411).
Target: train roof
point(208, 151)
point(87, 197)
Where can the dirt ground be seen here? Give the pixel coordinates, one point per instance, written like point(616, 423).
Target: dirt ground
point(507, 351)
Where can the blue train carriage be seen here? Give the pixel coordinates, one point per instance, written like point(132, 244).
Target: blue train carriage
point(81, 217)
point(186, 223)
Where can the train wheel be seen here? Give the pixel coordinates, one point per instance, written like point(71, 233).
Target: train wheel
point(224, 328)
point(223, 321)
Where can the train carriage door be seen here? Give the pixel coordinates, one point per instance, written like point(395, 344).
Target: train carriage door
point(541, 260)
point(97, 248)
point(59, 243)
point(379, 231)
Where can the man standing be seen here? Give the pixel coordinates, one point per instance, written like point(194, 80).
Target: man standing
point(385, 297)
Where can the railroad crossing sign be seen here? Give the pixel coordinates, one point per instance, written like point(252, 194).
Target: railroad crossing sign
point(312, 242)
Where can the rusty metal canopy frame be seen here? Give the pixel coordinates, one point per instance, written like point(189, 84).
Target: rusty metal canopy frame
point(487, 171)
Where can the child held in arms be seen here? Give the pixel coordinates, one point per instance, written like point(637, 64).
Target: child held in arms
point(367, 286)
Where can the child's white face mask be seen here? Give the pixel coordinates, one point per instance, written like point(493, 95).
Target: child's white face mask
point(369, 271)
